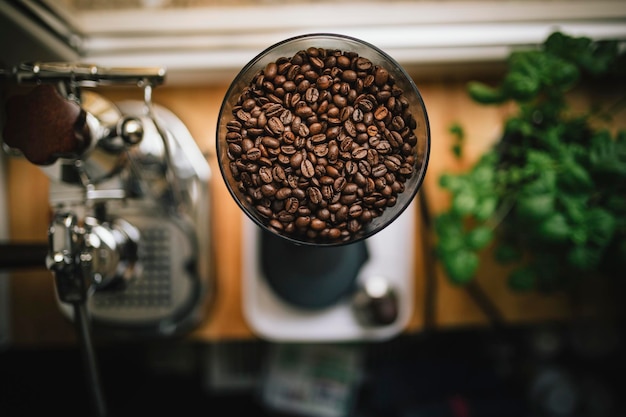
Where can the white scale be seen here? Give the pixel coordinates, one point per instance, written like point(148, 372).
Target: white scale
point(391, 254)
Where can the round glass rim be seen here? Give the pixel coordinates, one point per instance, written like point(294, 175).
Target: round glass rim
point(397, 211)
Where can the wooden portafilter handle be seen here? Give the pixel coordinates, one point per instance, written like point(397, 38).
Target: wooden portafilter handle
point(45, 126)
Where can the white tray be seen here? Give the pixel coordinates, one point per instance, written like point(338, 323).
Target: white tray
point(391, 254)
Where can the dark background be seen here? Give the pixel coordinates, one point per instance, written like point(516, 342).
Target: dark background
point(560, 369)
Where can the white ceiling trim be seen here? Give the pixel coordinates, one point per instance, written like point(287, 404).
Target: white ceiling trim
point(348, 14)
point(214, 43)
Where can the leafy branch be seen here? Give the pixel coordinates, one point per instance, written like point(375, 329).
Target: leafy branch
point(550, 195)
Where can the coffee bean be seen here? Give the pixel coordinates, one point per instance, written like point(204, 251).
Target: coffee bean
point(265, 173)
point(253, 154)
point(271, 70)
point(381, 113)
point(350, 167)
point(270, 142)
point(307, 168)
point(365, 168)
point(264, 211)
point(350, 188)
point(314, 194)
point(299, 193)
point(381, 76)
point(324, 82)
point(342, 213)
point(318, 224)
point(339, 184)
point(379, 170)
point(334, 233)
point(292, 204)
point(268, 190)
point(283, 193)
point(303, 222)
point(321, 150)
point(276, 224)
point(343, 61)
point(363, 64)
point(383, 147)
point(275, 126)
point(311, 95)
point(392, 163)
point(355, 211)
point(406, 169)
point(349, 76)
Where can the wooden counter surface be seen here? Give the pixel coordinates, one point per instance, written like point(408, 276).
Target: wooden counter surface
point(36, 320)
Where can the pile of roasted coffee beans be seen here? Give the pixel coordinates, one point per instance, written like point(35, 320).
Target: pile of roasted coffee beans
point(321, 143)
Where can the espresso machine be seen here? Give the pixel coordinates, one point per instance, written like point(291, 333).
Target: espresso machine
point(129, 231)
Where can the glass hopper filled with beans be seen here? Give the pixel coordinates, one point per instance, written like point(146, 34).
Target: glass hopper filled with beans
point(323, 139)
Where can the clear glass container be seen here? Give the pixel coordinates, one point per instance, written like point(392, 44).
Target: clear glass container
point(345, 125)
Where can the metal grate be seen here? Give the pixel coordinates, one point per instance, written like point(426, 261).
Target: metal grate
point(153, 289)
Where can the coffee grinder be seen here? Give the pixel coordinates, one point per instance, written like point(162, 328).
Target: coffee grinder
point(323, 141)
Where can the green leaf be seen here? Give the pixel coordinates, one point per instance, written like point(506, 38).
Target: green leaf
point(601, 226)
point(567, 46)
point(539, 160)
point(482, 93)
point(486, 207)
point(452, 182)
point(450, 234)
point(574, 176)
point(543, 182)
point(574, 206)
point(521, 87)
point(579, 234)
point(535, 207)
point(554, 228)
point(459, 137)
point(583, 258)
point(479, 237)
point(483, 174)
point(457, 130)
point(464, 203)
point(461, 266)
point(594, 57)
point(563, 74)
point(608, 156)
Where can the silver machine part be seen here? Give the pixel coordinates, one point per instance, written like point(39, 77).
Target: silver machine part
point(131, 213)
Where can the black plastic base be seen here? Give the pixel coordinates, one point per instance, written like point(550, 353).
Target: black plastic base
point(308, 276)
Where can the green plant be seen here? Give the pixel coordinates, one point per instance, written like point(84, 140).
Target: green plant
point(549, 198)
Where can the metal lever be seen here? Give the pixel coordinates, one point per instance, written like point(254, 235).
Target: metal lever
point(81, 74)
point(48, 123)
